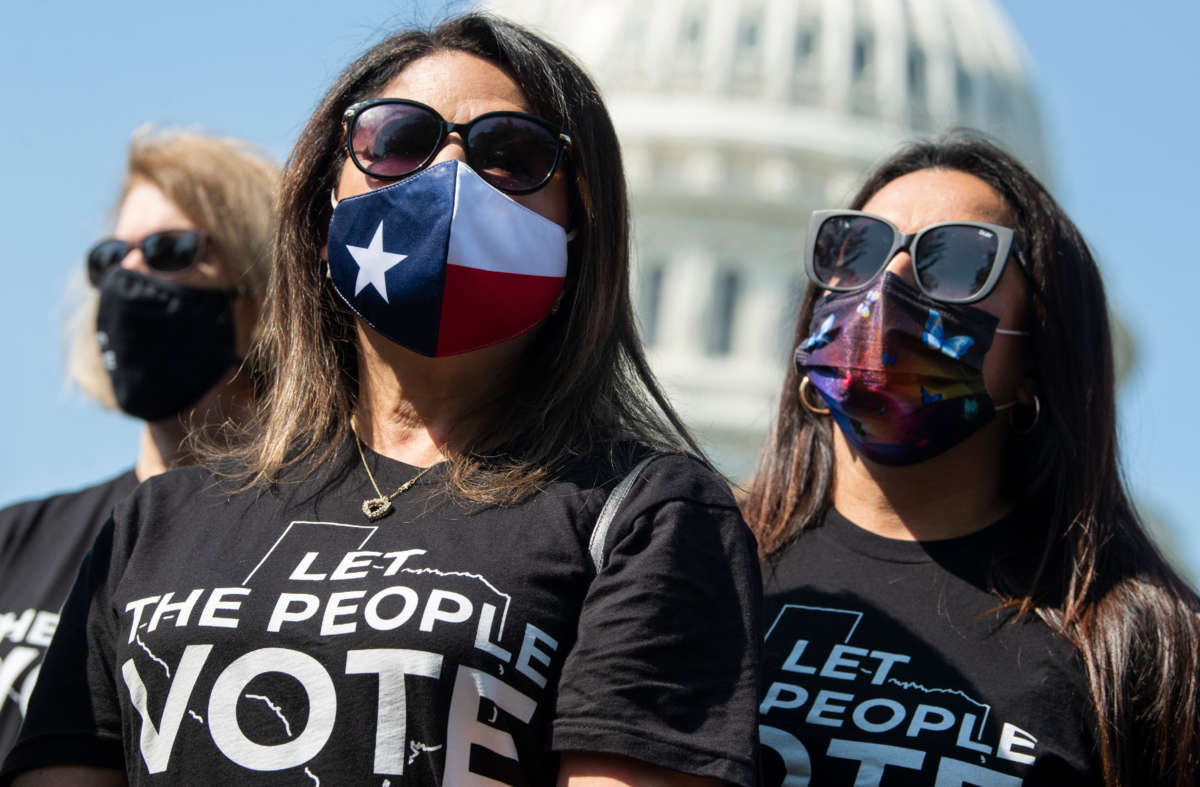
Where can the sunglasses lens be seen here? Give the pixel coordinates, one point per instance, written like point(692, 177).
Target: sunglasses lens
point(850, 250)
point(513, 154)
point(103, 256)
point(954, 262)
point(391, 140)
point(171, 251)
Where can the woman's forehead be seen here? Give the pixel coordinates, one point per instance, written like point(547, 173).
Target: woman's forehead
point(459, 85)
point(147, 209)
point(929, 196)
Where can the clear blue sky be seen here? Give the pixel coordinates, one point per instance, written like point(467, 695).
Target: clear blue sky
point(1117, 81)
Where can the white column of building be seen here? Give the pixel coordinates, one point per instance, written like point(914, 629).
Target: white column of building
point(686, 291)
point(720, 35)
point(779, 49)
point(889, 71)
point(764, 307)
point(662, 41)
point(837, 53)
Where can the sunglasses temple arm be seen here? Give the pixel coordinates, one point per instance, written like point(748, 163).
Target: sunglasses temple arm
point(1023, 264)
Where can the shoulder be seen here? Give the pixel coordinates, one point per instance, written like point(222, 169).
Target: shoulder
point(680, 477)
point(177, 496)
point(192, 483)
point(640, 489)
point(653, 478)
point(679, 506)
point(117, 486)
point(182, 480)
point(81, 511)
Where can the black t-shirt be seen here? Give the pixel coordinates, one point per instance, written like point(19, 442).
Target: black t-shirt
point(41, 544)
point(887, 663)
point(270, 637)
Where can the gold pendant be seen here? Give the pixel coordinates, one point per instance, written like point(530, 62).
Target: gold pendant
point(377, 508)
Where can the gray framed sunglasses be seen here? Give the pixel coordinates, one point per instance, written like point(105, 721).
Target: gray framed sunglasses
point(953, 261)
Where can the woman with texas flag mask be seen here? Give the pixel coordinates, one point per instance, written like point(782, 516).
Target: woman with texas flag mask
point(958, 590)
point(396, 576)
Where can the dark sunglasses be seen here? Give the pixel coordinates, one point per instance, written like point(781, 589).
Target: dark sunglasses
point(516, 152)
point(169, 251)
point(953, 261)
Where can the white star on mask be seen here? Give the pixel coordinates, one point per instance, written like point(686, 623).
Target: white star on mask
point(373, 263)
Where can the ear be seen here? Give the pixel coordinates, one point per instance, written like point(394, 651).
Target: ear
point(333, 200)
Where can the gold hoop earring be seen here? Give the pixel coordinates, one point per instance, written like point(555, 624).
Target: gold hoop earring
point(805, 385)
point(1037, 413)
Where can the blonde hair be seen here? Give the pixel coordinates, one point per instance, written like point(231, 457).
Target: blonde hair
point(228, 188)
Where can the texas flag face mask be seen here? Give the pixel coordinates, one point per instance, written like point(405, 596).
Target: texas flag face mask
point(443, 263)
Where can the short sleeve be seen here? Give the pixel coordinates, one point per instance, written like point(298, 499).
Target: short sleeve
point(665, 667)
point(73, 717)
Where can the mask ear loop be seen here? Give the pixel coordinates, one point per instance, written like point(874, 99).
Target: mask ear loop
point(333, 200)
point(805, 385)
point(1037, 405)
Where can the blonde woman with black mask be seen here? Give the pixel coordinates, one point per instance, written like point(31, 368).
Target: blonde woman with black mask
point(171, 301)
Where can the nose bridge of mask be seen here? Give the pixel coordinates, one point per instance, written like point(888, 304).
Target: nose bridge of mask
point(894, 328)
point(479, 209)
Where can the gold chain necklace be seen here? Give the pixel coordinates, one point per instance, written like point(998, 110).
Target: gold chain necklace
point(377, 508)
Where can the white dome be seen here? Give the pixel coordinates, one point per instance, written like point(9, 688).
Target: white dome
point(842, 75)
point(737, 118)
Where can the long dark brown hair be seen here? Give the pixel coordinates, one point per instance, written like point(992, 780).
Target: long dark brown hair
point(584, 385)
point(1097, 580)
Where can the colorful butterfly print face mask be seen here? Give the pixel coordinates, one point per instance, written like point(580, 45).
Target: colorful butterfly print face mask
point(902, 374)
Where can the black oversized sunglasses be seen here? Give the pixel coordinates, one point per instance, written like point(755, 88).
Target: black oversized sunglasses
point(953, 261)
point(516, 152)
point(168, 251)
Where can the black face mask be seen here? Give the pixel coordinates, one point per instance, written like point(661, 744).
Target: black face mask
point(164, 345)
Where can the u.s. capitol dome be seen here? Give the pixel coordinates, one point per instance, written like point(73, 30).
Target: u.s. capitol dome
point(738, 118)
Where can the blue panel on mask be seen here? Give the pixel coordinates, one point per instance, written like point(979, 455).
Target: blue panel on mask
point(396, 236)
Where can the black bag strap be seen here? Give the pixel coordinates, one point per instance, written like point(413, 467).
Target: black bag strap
point(609, 512)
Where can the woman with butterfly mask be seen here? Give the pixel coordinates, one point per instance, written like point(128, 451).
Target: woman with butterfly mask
point(958, 590)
